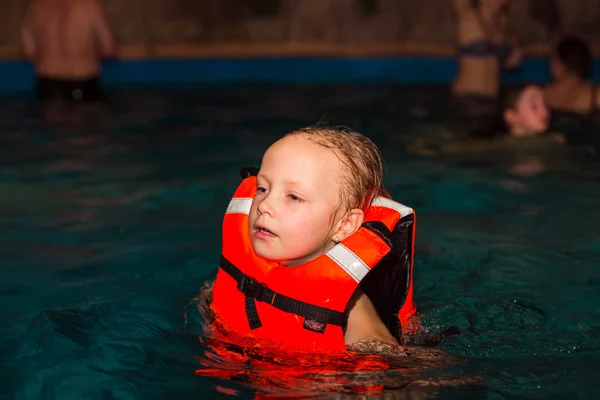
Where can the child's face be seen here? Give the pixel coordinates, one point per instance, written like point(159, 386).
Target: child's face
point(531, 115)
point(297, 194)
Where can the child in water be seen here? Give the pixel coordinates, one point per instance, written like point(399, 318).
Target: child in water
point(522, 121)
point(313, 191)
point(523, 113)
point(522, 128)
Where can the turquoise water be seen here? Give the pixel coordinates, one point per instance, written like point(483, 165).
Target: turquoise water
point(108, 228)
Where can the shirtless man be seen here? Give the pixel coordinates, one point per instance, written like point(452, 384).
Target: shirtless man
point(572, 92)
point(66, 40)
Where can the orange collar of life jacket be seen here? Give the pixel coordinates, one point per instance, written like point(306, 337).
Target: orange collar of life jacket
point(307, 306)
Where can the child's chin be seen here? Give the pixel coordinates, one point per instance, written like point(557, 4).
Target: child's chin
point(264, 253)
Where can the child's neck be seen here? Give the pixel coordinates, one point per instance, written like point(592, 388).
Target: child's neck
point(304, 260)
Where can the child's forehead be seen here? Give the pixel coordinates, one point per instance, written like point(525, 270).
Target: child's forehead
point(531, 91)
point(303, 159)
point(295, 145)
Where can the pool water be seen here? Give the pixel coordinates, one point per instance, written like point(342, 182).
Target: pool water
point(109, 228)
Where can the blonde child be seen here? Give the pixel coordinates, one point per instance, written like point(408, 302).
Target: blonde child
point(315, 255)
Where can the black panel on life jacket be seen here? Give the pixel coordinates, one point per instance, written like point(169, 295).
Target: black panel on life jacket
point(387, 283)
point(247, 172)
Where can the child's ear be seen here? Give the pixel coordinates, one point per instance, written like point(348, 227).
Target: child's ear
point(351, 222)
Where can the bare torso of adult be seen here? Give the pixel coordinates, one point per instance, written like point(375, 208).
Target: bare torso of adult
point(478, 75)
point(70, 37)
point(578, 97)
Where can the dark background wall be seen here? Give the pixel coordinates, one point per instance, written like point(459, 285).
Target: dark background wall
point(148, 23)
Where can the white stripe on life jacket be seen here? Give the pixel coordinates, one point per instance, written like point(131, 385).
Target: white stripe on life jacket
point(350, 262)
point(387, 203)
point(239, 206)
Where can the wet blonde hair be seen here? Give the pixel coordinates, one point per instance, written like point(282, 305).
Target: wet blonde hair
point(363, 164)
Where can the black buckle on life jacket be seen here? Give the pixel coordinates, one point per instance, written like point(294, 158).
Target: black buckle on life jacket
point(250, 287)
point(316, 317)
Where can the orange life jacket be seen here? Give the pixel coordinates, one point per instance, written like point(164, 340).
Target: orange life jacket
point(307, 306)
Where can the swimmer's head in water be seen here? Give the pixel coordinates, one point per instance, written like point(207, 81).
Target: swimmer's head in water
point(571, 57)
point(526, 112)
point(313, 188)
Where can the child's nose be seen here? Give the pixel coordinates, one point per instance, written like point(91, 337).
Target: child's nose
point(266, 205)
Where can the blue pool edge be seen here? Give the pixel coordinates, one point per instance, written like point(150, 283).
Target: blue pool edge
point(17, 76)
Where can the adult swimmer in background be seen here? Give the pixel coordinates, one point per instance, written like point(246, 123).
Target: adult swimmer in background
point(483, 48)
point(66, 40)
point(571, 92)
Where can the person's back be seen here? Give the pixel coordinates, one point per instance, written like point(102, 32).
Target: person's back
point(571, 91)
point(66, 39)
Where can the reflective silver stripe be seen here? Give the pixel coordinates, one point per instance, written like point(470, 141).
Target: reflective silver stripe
point(239, 206)
point(387, 203)
point(349, 261)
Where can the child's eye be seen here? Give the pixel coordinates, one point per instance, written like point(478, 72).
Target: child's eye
point(261, 189)
point(293, 197)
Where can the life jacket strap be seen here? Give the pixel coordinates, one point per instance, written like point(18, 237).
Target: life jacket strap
point(315, 317)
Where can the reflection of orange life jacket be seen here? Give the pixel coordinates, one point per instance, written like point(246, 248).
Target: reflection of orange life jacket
point(307, 306)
